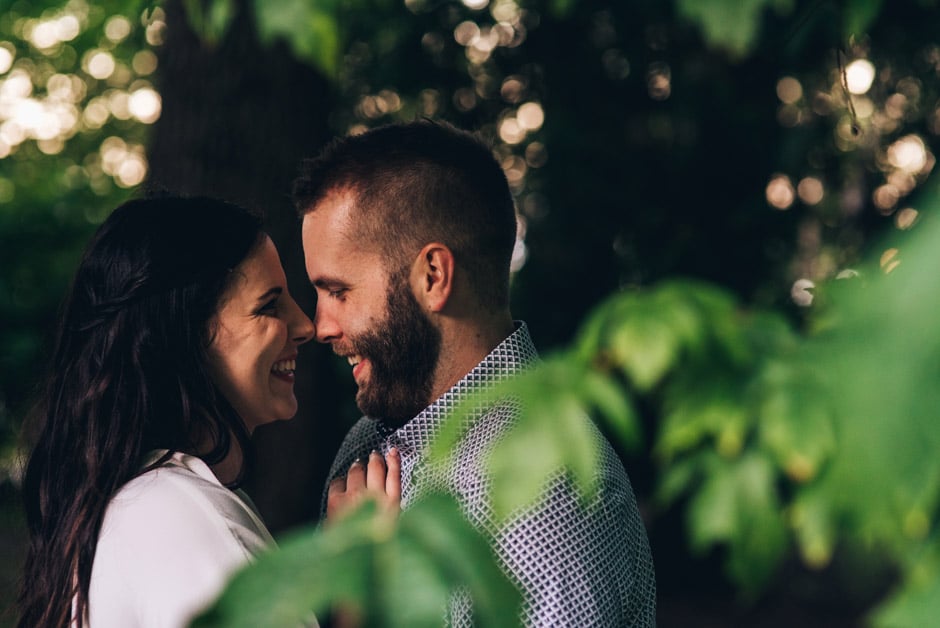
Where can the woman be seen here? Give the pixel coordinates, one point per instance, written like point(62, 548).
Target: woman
point(178, 338)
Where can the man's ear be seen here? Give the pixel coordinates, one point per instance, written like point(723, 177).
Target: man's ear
point(432, 276)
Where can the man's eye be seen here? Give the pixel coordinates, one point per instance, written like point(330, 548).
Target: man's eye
point(338, 292)
point(269, 308)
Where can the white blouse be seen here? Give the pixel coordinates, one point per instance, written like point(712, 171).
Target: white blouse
point(170, 540)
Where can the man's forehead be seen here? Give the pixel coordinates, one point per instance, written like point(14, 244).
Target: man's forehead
point(331, 222)
point(335, 208)
point(335, 247)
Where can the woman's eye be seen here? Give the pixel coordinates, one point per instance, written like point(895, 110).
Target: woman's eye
point(269, 308)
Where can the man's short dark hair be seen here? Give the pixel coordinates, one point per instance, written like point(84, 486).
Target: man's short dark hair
point(420, 182)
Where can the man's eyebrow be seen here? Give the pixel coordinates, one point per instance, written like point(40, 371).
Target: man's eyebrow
point(270, 292)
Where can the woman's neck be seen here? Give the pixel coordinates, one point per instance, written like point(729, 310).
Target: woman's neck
point(228, 470)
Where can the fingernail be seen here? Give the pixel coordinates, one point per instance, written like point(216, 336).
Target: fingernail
point(393, 451)
point(375, 452)
point(355, 462)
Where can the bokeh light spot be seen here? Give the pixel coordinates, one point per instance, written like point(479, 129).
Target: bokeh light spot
point(859, 76)
point(802, 292)
point(908, 153)
point(530, 116)
point(117, 28)
point(132, 170)
point(43, 35)
point(6, 59)
point(118, 104)
point(505, 11)
point(780, 193)
point(465, 99)
point(144, 62)
point(145, 105)
point(889, 260)
point(96, 113)
point(67, 28)
point(885, 198)
point(810, 190)
point(466, 33)
point(156, 29)
point(512, 89)
point(659, 81)
point(906, 218)
point(510, 131)
point(99, 64)
point(536, 155)
point(789, 90)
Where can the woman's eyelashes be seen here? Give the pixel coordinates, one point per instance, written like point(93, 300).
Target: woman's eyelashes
point(269, 308)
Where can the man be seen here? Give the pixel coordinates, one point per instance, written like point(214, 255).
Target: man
point(408, 232)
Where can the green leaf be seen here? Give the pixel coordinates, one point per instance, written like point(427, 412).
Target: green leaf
point(712, 512)
point(370, 563)
point(811, 517)
point(700, 405)
point(311, 29)
point(737, 506)
point(521, 464)
point(858, 15)
point(645, 347)
point(795, 422)
point(592, 337)
point(221, 14)
point(760, 539)
point(914, 603)
point(210, 22)
point(552, 433)
point(732, 25)
point(309, 571)
point(614, 407)
point(677, 479)
point(462, 557)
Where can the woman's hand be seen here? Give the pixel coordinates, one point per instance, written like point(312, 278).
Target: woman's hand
point(378, 479)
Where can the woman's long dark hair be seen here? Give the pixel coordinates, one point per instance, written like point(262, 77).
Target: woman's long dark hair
point(128, 375)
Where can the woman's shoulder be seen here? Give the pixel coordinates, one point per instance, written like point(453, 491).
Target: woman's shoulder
point(178, 500)
point(170, 539)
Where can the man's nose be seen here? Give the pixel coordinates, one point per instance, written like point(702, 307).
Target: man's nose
point(328, 328)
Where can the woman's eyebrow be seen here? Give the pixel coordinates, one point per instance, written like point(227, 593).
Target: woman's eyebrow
point(275, 291)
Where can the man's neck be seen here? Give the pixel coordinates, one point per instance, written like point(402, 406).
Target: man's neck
point(464, 344)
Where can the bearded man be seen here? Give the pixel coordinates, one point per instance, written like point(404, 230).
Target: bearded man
point(408, 233)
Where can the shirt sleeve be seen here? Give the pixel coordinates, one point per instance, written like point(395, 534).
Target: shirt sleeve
point(166, 550)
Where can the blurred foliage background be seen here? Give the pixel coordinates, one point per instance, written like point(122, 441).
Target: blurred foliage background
point(774, 406)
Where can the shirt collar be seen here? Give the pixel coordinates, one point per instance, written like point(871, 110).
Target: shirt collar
point(511, 356)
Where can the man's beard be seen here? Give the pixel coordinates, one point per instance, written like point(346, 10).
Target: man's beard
point(403, 351)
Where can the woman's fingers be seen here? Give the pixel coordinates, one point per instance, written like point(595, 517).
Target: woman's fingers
point(356, 477)
point(393, 475)
point(379, 476)
point(375, 476)
point(336, 497)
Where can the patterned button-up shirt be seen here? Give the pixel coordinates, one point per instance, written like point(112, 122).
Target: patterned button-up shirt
point(577, 565)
